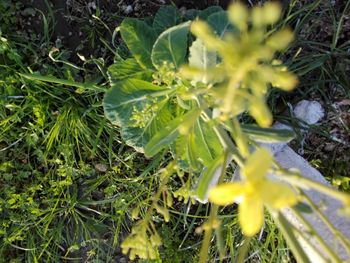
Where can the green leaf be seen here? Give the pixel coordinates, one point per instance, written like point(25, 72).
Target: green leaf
point(133, 95)
point(206, 143)
point(66, 82)
point(166, 17)
point(200, 57)
point(190, 151)
point(120, 100)
point(212, 172)
point(128, 68)
point(267, 135)
point(137, 137)
point(139, 37)
point(191, 14)
point(220, 23)
point(208, 11)
point(171, 46)
point(170, 132)
point(163, 138)
point(199, 147)
point(303, 67)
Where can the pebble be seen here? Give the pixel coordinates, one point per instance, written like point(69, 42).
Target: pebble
point(329, 147)
point(309, 111)
point(102, 168)
point(127, 9)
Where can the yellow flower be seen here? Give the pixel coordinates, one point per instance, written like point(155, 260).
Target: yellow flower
point(245, 64)
point(255, 191)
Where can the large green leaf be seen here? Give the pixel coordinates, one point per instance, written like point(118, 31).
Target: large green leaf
point(140, 137)
point(220, 23)
point(205, 144)
point(166, 17)
point(139, 37)
point(171, 46)
point(201, 58)
point(204, 14)
point(167, 135)
point(191, 14)
point(128, 68)
point(199, 147)
point(133, 95)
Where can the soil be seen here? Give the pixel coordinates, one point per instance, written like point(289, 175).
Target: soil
point(72, 24)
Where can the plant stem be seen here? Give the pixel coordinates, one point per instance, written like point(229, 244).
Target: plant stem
point(243, 250)
point(212, 217)
point(331, 227)
point(207, 235)
point(287, 231)
point(317, 237)
point(304, 183)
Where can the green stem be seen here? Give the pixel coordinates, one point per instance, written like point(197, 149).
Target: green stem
point(225, 140)
point(287, 231)
point(228, 145)
point(304, 183)
point(207, 235)
point(212, 217)
point(331, 227)
point(317, 237)
point(243, 251)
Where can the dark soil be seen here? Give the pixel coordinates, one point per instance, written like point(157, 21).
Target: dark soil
point(74, 27)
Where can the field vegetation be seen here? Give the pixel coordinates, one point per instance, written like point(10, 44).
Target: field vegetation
point(75, 184)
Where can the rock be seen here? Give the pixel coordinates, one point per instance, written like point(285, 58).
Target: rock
point(101, 168)
point(329, 147)
point(127, 9)
point(309, 111)
point(28, 12)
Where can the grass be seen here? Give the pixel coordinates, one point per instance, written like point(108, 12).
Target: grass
point(322, 48)
point(68, 185)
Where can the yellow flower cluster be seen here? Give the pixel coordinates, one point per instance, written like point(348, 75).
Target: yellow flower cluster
point(247, 65)
point(255, 191)
point(140, 243)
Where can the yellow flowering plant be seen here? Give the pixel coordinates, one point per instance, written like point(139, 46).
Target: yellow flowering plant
point(254, 191)
point(190, 100)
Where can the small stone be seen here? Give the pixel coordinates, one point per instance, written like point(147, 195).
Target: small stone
point(92, 5)
point(28, 12)
point(58, 42)
point(329, 147)
point(127, 9)
point(101, 168)
point(309, 111)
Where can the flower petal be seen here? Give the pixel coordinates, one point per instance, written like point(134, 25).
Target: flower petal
point(277, 195)
point(260, 112)
point(257, 165)
point(251, 216)
point(238, 15)
point(225, 194)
